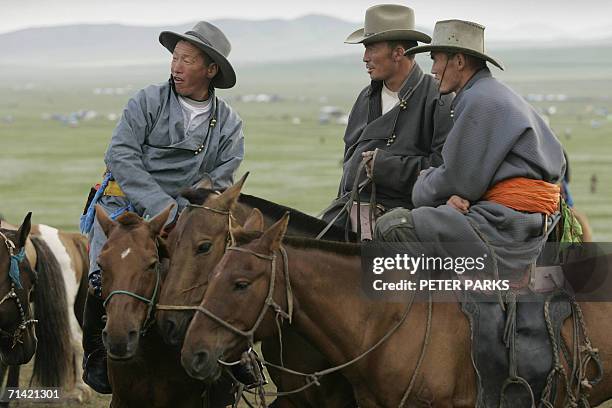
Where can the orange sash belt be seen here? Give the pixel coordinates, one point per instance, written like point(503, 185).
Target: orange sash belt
point(523, 194)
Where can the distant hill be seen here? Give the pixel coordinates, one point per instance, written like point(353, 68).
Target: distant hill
point(308, 37)
point(311, 36)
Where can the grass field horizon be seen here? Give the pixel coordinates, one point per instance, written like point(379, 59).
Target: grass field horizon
point(47, 167)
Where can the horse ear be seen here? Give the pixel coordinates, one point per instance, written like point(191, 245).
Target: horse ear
point(273, 237)
point(229, 197)
point(157, 223)
point(24, 231)
point(104, 220)
point(205, 183)
point(255, 221)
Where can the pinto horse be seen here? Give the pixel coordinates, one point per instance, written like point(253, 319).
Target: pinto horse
point(142, 369)
point(40, 274)
point(198, 242)
point(424, 362)
point(67, 252)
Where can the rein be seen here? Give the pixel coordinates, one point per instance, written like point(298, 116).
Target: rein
point(21, 329)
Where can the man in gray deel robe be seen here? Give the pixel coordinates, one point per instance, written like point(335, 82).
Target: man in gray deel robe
point(398, 123)
point(497, 137)
point(170, 137)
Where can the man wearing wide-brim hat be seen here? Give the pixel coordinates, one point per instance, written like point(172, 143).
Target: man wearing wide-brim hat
point(497, 186)
point(398, 123)
point(170, 137)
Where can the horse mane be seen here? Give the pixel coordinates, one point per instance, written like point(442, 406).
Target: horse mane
point(129, 219)
point(298, 242)
point(53, 355)
point(299, 222)
point(340, 248)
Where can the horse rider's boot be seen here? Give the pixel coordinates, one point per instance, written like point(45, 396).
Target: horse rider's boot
point(94, 357)
point(249, 375)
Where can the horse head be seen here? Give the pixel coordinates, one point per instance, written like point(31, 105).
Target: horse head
point(131, 261)
point(17, 278)
point(196, 243)
point(236, 304)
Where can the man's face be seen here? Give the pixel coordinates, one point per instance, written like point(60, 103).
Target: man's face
point(189, 70)
point(379, 61)
point(444, 68)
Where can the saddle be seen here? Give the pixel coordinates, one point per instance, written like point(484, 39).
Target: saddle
point(517, 344)
point(511, 348)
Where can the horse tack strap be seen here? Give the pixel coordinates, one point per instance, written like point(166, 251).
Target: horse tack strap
point(150, 302)
point(215, 210)
point(269, 301)
point(15, 260)
point(229, 214)
point(289, 313)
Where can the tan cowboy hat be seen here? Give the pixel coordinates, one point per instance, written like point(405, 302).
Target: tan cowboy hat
point(213, 42)
point(387, 22)
point(458, 36)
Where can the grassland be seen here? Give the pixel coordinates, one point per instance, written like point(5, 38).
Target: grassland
point(47, 167)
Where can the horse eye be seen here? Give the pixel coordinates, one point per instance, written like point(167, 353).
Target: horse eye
point(152, 266)
point(204, 247)
point(241, 285)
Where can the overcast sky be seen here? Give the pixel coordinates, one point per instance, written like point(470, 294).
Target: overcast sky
point(552, 18)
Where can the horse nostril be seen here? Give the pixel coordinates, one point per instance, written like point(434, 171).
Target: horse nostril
point(104, 336)
point(169, 327)
point(132, 336)
point(199, 361)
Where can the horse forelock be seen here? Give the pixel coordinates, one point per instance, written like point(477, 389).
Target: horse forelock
point(129, 219)
point(197, 196)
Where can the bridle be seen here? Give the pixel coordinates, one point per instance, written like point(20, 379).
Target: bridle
point(151, 302)
point(21, 329)
point(268, 303)
point(229, 242)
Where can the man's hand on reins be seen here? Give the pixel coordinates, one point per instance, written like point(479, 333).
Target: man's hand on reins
point(368, 157)
point(460, 204)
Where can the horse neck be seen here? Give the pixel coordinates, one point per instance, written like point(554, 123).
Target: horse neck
point(330, 309)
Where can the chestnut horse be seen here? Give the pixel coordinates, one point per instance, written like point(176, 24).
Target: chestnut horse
point(142, 369)
point(426, 359)
point(198, 242)
point(39, 273)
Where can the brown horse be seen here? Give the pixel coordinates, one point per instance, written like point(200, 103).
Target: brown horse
point(143, 370)
point(66, 253)
point(40, 273)
point(332, 312)
point(198, 242)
